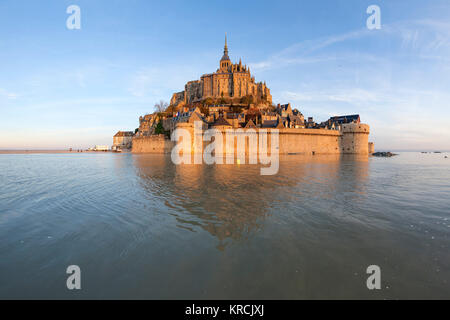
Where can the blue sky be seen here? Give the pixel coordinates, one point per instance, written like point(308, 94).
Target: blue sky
point(63, 88)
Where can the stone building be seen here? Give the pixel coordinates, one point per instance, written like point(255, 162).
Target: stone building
point(290, 118)
point(284, 110)
point(231, 80)
point(189, 116)
point(122, 140)
point(346, 119)
point(336, 122)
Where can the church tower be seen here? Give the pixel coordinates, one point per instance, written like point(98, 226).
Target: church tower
point(225, 62)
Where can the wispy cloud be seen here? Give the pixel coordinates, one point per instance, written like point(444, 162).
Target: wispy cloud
point(301, 53)
point(396, 78)
point(421, 36)
point(7, 94)
point(424, 35)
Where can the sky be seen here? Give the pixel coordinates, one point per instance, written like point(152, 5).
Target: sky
point(62, 88)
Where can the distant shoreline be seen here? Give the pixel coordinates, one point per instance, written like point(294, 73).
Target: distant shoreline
point(46, 151)
point(109, 151)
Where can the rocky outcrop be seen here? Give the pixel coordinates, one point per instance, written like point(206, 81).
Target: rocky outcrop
point(384, 154)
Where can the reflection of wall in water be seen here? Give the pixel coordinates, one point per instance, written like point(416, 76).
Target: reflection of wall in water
point(228, 201)
point(353, 177)
point(231, 202)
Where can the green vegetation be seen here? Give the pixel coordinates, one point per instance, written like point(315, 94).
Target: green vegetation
point(170, 109)
point(159, 128)
point(253, 114)
point(247, 100)
point(208, 102)
point(205, 110)
point(222, 101)
point(236, 109)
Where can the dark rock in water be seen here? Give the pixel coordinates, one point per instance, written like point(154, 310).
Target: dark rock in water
point(384, 154)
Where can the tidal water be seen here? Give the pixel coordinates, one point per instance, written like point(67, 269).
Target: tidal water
point(140, 227)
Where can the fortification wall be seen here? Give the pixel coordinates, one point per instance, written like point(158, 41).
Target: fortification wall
point(309, 141)
point(301, 141)
point(152, 144)
point(353, 139)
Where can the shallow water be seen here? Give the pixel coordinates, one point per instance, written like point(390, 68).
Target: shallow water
point(140, 227)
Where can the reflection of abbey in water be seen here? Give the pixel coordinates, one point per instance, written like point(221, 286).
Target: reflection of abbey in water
point(247, 198)
point(230, 98)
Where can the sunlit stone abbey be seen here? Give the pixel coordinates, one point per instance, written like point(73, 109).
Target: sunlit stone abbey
point(231, 99)
point(231, 80)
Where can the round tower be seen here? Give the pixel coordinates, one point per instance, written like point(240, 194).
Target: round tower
point(355, 138)
point(371, 147)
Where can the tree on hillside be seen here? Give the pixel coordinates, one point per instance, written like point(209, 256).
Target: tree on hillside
point(253, 114)
point(208, 101)
point(205, 110)
point(171, 109)
point(161, 106)
point(236, 109)
point(159, 128)
point(222, 101)
point(247, 100)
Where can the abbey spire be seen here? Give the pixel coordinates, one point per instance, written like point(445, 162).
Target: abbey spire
point(225, 48)
point(225, 62)
point(225, 56)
